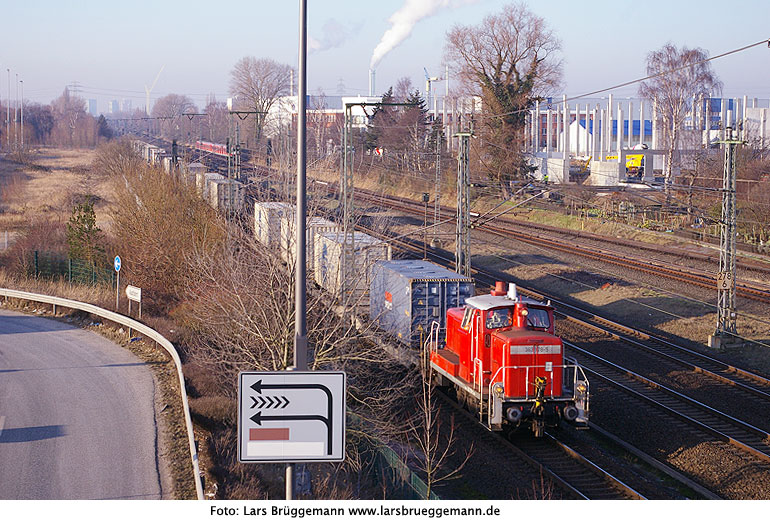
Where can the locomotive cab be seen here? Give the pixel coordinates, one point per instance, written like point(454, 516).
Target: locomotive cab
point(503, 357)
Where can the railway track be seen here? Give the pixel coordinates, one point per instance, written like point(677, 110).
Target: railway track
point(660, 269)
point(745, 390)
point(701, 421)
point(565, 467)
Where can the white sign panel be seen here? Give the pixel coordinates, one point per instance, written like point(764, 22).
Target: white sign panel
point(134, 293)
point(291, 416)
point(725, 281)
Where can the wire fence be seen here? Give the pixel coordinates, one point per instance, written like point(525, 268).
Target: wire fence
point(402, 479)
point(52, 266)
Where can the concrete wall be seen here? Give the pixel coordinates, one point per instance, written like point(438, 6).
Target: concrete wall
point(605, 174)
point(558, 170)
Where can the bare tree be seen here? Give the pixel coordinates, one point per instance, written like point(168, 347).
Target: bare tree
point(168, 110)
point(73, 127)
point(157, 220)
point(680, 75)
point(434, 442)
point(215, 124)
point(403, 90)
point(259, 83)
point(509, 60)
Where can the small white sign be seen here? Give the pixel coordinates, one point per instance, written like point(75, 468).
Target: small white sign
point(134, 293)
point(725, 281)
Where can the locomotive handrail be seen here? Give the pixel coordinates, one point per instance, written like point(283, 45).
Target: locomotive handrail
point(144, 330)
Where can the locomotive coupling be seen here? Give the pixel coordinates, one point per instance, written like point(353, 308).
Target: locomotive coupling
point(570, 413)
point(514, 414)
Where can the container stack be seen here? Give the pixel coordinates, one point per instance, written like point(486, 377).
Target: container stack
point(313, 226)
point(225, 195)
point(407, 296)
point(267, 222)
point(356, 278)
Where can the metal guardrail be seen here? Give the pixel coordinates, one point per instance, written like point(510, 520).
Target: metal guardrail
point(140, 328)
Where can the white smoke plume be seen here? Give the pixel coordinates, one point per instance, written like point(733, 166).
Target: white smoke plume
point(334, 35)
point(403, 21)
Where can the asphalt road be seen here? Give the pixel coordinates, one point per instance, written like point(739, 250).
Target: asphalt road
point(77, 419)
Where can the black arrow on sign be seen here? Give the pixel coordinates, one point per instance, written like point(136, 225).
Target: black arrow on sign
point(259, 386)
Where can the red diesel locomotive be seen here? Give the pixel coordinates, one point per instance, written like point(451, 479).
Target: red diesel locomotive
point(505, 363)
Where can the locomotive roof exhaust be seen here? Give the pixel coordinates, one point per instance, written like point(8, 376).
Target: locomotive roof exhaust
point(499, 290)
point(512, 293)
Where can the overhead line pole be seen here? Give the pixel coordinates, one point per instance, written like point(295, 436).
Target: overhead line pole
point(300, 310)
point(348, 265)
point(726, 332)
point(463, 232)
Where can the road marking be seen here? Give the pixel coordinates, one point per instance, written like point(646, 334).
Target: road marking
point(2, 424)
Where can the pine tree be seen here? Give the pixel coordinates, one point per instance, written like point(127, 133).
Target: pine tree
point(83, 236)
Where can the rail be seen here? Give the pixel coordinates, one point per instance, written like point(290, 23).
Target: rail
point(140, 328)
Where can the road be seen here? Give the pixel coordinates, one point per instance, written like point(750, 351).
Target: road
point(77, 419)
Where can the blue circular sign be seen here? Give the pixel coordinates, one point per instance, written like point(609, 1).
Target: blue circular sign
point(117, 263)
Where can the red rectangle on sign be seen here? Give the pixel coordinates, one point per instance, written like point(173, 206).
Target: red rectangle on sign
point(268, 434)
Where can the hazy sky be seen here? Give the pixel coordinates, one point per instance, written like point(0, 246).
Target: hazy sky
point(113, 49)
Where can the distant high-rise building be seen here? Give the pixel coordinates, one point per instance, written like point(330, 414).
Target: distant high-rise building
point(92, 107)
point(113, 107)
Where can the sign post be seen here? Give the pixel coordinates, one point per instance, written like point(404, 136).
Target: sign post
point(291, 416)
point(117, 285)
point(135, 294)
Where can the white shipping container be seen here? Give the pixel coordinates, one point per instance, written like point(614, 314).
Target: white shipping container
point(267, 222)
point(155, 154)
point(191, 171)
point(225, 195)
point(168, 164)
point(328, 262)
point(202, 183)
point(147, 150)
point(313, 226)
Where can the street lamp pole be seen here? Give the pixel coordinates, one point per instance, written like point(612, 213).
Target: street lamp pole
point(22, 114)
point(16, 117)
point(300, 302)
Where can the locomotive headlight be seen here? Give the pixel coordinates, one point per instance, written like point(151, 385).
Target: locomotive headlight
point(524, 312)
point(581, 387)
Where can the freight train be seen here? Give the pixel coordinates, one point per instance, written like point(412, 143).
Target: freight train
point(503, 360)
point(497, 352)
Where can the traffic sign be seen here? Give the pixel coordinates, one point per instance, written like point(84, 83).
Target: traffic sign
point(291, 416)
point(134, 293)
point(117, 263)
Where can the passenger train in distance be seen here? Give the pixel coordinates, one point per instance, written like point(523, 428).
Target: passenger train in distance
point(505, 363)
point(217, 149)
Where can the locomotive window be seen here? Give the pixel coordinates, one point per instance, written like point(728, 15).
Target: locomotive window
point(466, 318)
point(538, 318)
point(499, 318)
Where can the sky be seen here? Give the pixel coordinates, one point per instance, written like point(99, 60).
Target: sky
point(113, 50)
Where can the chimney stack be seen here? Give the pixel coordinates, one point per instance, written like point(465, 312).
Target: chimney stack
point(371, 83)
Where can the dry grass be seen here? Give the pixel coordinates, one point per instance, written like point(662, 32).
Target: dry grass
point(44, 189)
point(48, 185)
